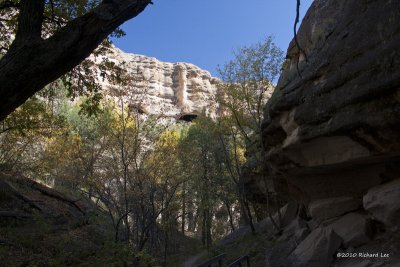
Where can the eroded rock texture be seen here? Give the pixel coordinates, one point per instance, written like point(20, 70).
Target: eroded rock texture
point(343, 113)
point(171, 90)
point(332, 127)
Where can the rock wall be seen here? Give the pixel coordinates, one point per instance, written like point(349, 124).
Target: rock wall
point(331, 132)
point(170, 90)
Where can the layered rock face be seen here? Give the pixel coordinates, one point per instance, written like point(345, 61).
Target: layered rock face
point(172, 90)
point(332, 130)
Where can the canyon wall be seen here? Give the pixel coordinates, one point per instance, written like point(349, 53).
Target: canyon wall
point(331, 134)
point(169, 90)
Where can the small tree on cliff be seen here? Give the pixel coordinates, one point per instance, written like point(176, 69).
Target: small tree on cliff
point(247, 85)
point(42, 40)
point(248, 81)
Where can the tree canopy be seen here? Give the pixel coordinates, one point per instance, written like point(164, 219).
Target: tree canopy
point(41, 40)
point(157, 183)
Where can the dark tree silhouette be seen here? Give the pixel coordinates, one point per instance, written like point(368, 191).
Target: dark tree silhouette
point(32, 62)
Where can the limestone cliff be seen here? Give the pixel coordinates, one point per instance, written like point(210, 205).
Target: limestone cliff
point(172, 90)
point(331, 131)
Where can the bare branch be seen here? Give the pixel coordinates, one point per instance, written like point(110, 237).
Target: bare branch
point(295, 37)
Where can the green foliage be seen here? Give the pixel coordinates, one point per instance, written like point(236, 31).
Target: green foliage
point(83, 79)
point(253, 64)
point(249, 244)
point(33, 116)
point(205, 159)
point(143, 258)
point(154, 182)
point(39, 245)
point(22, 131)
point(246, 81)
point(247, 86)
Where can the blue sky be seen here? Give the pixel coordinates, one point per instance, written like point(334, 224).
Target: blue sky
point(206, 32)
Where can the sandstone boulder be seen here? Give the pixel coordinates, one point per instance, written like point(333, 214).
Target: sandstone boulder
point(317, 249)
point(293, 234)
point(278, 255)
point(287, 214)
point(383, 203)
point(323, 209)
point(296, 230)
point(353, 228)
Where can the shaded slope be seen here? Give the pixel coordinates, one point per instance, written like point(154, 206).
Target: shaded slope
point(42, 227)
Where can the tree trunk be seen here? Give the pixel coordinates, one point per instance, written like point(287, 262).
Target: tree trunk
point(183, 208)
point(208, 229)
point(166, 240)
point(228, 208)
point(31, 62)
point(203, 229)
point(246, 213)
point(253, 229)
point(191, 217)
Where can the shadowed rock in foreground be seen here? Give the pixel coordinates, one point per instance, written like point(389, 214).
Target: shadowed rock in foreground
point(332, 132)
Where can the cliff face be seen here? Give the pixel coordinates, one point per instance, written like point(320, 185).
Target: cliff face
point(172, 90)
point(331, 133)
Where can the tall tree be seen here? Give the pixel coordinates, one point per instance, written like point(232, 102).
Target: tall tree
point(247, 84)
point(209, 186)
point(36, 58)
